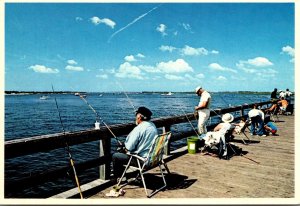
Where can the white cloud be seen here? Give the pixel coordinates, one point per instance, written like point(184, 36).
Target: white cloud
point(96, 20)
point(178, 66)
point(72, 62)
point(126, 70)
point(167, 48)
point(259, 62)
point(130, 58)
point(251, 65)
point(78, 18)
point(222, 78)
point(214, 52)
point(162, 29)
point(289, 51)
point(43, 69)
point(186, 26)
point(102, 76)
point(218, 67)
point(140, 55)
point(200, 76)
point(190, 51)
point(73, 68)
point(173, 77)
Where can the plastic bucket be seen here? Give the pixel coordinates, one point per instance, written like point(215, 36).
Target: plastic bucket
point(192, 143)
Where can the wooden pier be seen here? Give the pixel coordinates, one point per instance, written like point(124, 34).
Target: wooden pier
point(266, 170)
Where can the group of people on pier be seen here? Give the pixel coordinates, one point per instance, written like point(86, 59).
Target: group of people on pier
point(140, 138)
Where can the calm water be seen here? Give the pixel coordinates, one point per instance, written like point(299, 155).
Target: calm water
point(27, 115)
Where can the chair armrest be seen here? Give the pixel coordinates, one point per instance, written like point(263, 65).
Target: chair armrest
point(136, 156)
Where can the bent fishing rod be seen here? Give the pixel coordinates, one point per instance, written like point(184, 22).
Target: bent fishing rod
point(68, 148)
point(100, 119)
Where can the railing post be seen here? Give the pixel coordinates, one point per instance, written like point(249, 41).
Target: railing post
point(242, 111)
point(104, 147)
point(167, 147)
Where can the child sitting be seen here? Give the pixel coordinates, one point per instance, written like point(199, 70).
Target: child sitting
point(239, 126)
point(270, 127)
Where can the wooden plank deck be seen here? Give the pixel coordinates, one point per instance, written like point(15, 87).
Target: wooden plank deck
point(202, 176)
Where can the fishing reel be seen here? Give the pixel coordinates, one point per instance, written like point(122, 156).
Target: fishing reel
point(121, 149)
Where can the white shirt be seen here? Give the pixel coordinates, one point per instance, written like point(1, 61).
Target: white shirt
point(205, 97)
point(256, 112)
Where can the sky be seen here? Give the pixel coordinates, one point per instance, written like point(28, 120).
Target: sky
point(104, 47)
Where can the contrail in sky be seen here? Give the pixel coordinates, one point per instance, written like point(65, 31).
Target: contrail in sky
point(134, 21)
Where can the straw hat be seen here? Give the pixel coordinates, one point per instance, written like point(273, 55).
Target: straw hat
point(227, 117)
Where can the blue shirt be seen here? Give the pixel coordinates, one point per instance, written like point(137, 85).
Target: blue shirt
point(271, 125)
point(140, 138)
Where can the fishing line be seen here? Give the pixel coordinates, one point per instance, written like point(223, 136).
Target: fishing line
point(190, 122)
point(68, 148)
point(128, 99)
point(100, 119)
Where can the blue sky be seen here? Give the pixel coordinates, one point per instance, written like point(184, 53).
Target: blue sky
point(100, 47)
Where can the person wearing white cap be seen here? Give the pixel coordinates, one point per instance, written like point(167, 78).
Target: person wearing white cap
point(203, 109)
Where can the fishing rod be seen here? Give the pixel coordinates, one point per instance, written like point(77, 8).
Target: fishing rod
point(68, 149)
point(100, 119)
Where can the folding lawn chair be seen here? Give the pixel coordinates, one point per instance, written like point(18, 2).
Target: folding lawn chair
point(275, 114)
point(243, 130)
point(153, 159)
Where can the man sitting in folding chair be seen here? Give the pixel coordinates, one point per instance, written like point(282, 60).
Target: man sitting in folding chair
point(144, 149)
point(138, 141)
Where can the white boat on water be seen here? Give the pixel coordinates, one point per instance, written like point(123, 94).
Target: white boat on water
point(77, 94)
point(44, 97)
point(168, 94)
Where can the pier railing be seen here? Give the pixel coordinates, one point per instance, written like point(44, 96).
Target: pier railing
point(26, 146)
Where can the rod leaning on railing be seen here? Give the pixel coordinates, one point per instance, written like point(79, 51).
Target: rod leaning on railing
point(20, 147)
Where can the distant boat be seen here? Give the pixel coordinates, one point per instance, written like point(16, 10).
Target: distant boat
point(44, 97)
point(100, 95)
point(168, 94)
point(77, 94)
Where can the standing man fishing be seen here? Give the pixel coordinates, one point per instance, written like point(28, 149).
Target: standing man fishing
point(138, 141)
point(203, 109)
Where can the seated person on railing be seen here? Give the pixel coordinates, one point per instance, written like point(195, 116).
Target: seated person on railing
point(218, 135)
point(138, 140)
point(257, 119)
point(283, 105)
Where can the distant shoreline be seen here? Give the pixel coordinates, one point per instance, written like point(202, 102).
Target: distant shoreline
point(144, 92)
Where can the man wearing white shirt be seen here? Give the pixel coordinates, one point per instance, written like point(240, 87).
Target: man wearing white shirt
point(257, 118)
point(203, 109)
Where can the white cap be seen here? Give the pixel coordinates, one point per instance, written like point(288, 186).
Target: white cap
point(198, 88)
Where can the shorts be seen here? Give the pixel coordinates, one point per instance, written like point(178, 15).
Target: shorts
point(273, 131)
